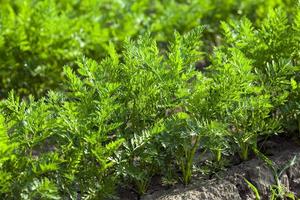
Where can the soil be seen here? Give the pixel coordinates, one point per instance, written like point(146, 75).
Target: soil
point(229, 183)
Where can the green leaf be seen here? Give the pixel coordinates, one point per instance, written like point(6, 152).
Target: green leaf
point(253, 188)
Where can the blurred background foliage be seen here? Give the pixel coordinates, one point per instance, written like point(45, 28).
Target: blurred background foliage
point(39, 37)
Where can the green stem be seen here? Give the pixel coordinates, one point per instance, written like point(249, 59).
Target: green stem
point(244, 151)
point(187, 164)
point(218, 154)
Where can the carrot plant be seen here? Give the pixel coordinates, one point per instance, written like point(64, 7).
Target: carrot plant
point(195, 129)
point(139, 160)
point(272, 49)
point(183, 141)
point(240, 101)
point(103, 103)
point(61, 144)
point(153, 85)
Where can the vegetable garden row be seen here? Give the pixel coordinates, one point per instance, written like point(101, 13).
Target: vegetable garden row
point(99, 94)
